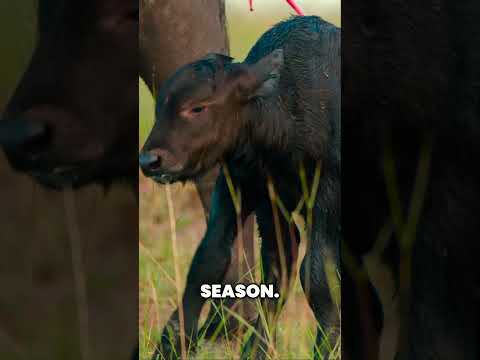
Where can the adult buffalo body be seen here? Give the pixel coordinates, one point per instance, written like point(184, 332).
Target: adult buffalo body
point(274, 120)
point(72, 119)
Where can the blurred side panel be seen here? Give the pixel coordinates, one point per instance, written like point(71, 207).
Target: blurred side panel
point(69, 215)
point(411, 182)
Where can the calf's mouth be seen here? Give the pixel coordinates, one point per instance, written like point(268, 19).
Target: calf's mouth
point(164, 178)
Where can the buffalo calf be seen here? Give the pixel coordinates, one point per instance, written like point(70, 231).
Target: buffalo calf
point(274, 122)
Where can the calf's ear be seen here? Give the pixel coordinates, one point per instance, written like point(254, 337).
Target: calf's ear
point(262, 78)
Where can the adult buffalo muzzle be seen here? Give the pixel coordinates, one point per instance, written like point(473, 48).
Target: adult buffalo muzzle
point(15, 133)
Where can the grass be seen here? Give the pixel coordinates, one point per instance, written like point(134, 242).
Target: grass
point(161, 274)
point(158, 288)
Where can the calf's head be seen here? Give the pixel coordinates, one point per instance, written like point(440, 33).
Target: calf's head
point(73, 118)
point(203, 112)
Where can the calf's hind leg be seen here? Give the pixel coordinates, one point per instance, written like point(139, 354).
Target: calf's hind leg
point(279, 255)
point(318, 275)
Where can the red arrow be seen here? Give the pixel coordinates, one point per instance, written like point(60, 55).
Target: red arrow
point(292, 3)
point(295, 7)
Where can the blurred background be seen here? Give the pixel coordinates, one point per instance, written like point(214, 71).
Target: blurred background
point(157, 291)
point(38, 301)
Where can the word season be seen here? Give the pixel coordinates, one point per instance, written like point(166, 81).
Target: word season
point(239, 291)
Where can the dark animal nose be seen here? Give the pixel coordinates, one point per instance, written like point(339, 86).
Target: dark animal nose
point(14, 133)
point(149, 162)
point(29, 138)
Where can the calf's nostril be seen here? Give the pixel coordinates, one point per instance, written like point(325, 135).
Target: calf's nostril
point(149, 161)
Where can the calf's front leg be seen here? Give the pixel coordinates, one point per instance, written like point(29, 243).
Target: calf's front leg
point(209, 265)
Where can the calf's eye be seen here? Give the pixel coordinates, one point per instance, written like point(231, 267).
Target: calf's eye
point(194, 111)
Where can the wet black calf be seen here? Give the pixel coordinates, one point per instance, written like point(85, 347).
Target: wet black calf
point(73, 118)
point(274, 122)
